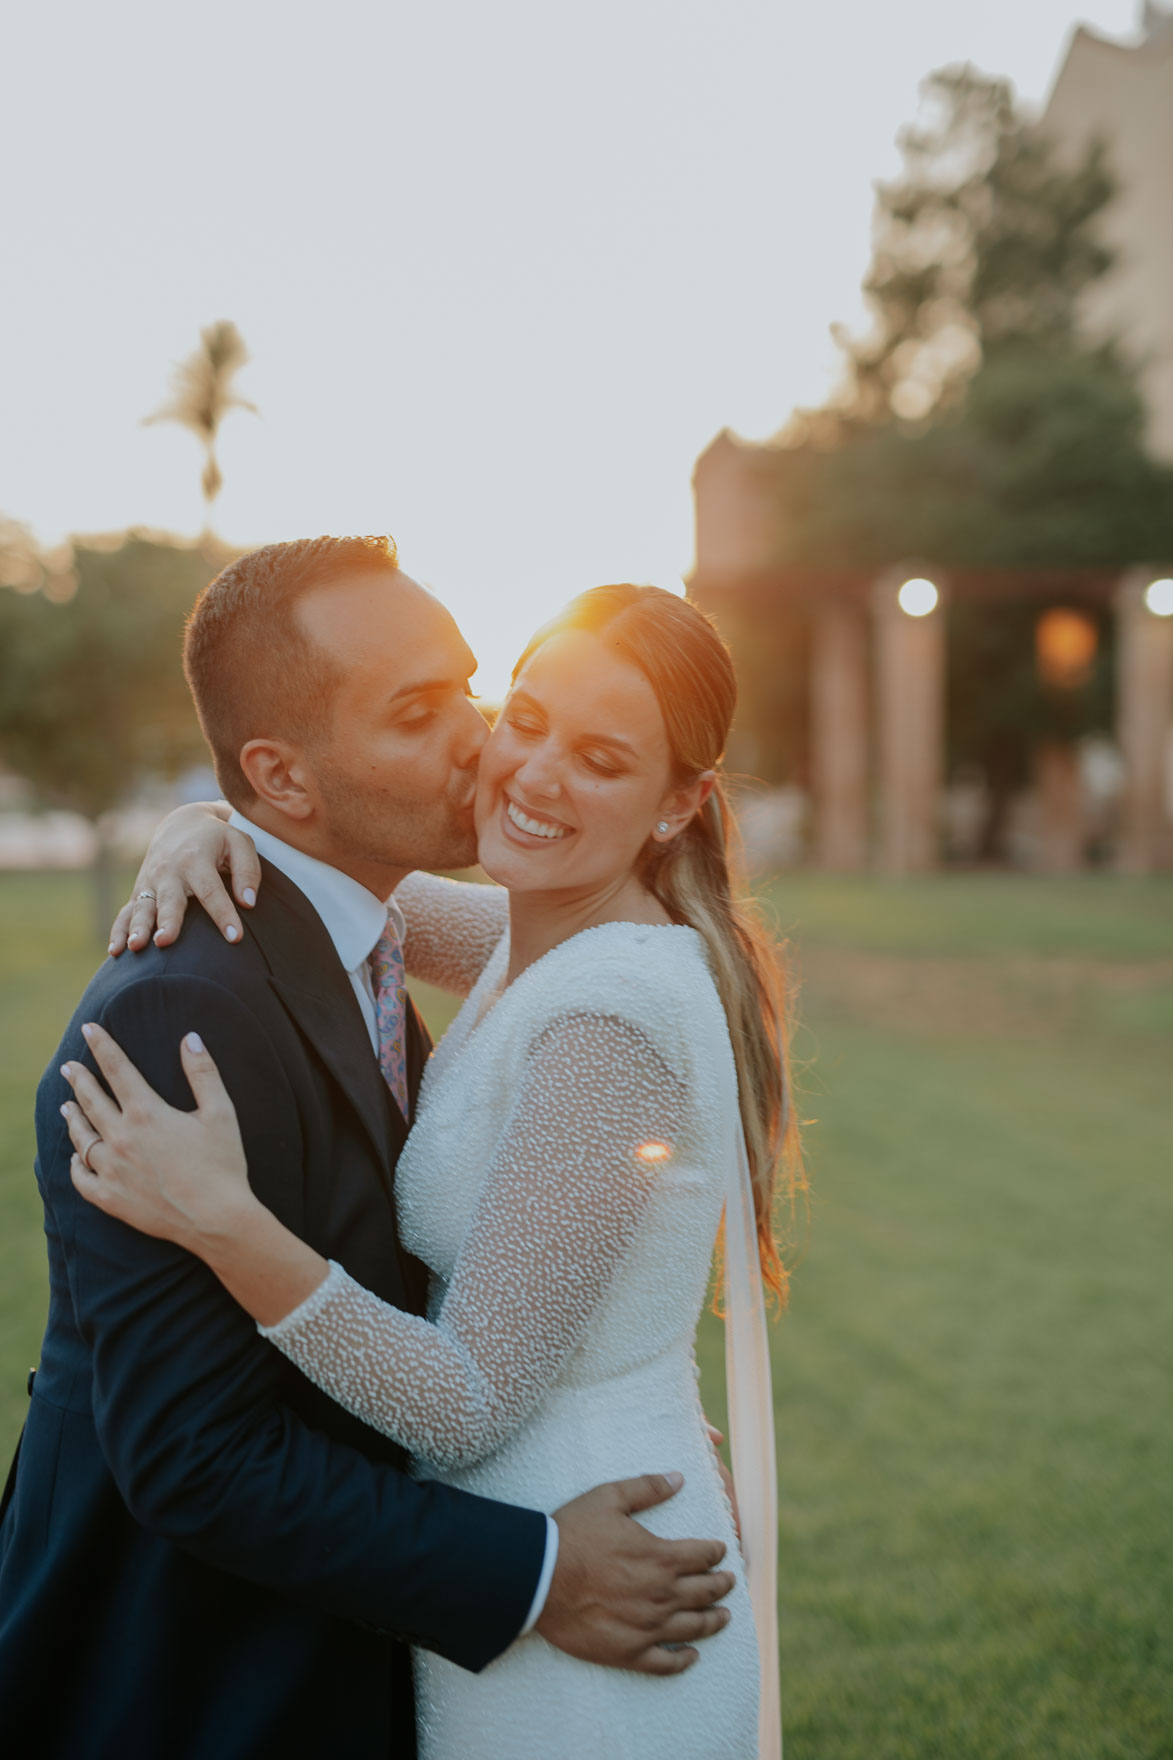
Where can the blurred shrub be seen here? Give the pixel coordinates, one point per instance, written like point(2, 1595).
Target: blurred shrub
point(92, 693)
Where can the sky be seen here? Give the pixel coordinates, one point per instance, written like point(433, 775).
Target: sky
point(503, 270)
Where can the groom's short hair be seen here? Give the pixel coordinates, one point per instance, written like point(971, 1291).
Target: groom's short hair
point(252, 670)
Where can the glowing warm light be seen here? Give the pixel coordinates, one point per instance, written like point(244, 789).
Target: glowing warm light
point(1158, 596)
point(499, 612)
point(1065, 645)
point(654, 1152)
point(917, 598)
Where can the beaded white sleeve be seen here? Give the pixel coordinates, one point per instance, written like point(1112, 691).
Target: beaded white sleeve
point(561, 1203)
point(452, 928)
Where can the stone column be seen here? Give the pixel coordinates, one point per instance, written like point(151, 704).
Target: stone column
point(839, 737)
point(1144, 689)
point(910, 718)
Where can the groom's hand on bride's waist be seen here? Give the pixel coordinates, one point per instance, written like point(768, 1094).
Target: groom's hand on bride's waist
point(624, 1597)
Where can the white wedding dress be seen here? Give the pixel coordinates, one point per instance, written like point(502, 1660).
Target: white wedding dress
point(563, 1180)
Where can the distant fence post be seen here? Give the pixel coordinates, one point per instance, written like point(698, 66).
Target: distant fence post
point(1144, 716)
point(910, 712)
point(839, 737)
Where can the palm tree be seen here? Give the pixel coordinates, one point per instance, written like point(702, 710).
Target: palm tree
point(202, 395)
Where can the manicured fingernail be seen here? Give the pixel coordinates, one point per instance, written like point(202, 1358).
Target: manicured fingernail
point(194, 1042)
point(248, 896)
point(676, 1480)
point(231, 933)
point(65, 1068)
point(87, 1031)
point(64, 1110)
point(110, 947)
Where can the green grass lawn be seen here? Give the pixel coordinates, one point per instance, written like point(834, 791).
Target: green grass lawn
point(975, 1419)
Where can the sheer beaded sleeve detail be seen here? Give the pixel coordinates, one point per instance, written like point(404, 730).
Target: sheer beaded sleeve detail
point(595, 1115)
point(453, 927)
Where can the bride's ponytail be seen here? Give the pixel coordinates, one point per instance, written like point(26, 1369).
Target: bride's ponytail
point(692, 878)
point(695, 878)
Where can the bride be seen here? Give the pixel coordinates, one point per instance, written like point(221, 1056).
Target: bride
point(615, 1079)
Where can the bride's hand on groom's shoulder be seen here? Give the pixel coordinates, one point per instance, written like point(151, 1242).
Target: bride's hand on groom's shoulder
point(624, 1597)
point(190, 853)
point(180, 1176)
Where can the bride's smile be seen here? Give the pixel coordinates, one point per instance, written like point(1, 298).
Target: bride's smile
point(576, 775)
point(544, 828)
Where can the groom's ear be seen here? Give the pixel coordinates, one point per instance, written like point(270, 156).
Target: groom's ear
point(279, 776)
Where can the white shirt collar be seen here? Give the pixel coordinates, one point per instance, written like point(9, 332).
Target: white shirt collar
point(353, 917)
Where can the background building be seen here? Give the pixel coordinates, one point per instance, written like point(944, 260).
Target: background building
point(1124, 93)
point(854, 690)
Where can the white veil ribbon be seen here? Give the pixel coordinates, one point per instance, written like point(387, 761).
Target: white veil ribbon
point(751, 1433)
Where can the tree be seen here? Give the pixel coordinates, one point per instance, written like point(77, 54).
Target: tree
point(1041, 465)
point(988, 242)
point(201, 396)
point(978, 427)
point(92, 693)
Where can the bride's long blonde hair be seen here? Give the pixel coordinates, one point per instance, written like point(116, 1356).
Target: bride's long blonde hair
point(679, 652)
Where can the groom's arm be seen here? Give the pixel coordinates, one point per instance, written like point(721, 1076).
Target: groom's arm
point(187, 1396)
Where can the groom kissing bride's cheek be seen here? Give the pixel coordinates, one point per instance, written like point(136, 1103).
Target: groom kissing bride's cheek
point(366, 1419)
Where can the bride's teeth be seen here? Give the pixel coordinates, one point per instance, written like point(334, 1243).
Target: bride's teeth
point(535, 827)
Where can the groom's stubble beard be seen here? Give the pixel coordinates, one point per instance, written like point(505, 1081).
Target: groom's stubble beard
point(376, 824)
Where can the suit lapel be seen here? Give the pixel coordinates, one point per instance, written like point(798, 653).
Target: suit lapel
point(332, 1022)
point(316, 992)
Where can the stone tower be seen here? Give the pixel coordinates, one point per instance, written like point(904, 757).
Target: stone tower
point(1124, 93)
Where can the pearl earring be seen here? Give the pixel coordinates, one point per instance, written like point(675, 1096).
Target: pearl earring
point(663, 827)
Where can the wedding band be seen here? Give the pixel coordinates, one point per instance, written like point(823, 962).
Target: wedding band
point(86, 1156)
point(146, 893)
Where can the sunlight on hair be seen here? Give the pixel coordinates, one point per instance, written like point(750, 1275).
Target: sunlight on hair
point(499, 614)
point(671, 583)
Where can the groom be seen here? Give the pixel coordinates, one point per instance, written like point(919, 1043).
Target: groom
point(201, 1557)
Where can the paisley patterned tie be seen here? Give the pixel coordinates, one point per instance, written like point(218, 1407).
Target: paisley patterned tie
point(390, 982)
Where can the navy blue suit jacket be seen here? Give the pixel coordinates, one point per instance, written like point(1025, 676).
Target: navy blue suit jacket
point(201, 1557)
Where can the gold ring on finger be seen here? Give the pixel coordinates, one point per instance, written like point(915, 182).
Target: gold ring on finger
point(86, 1154)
